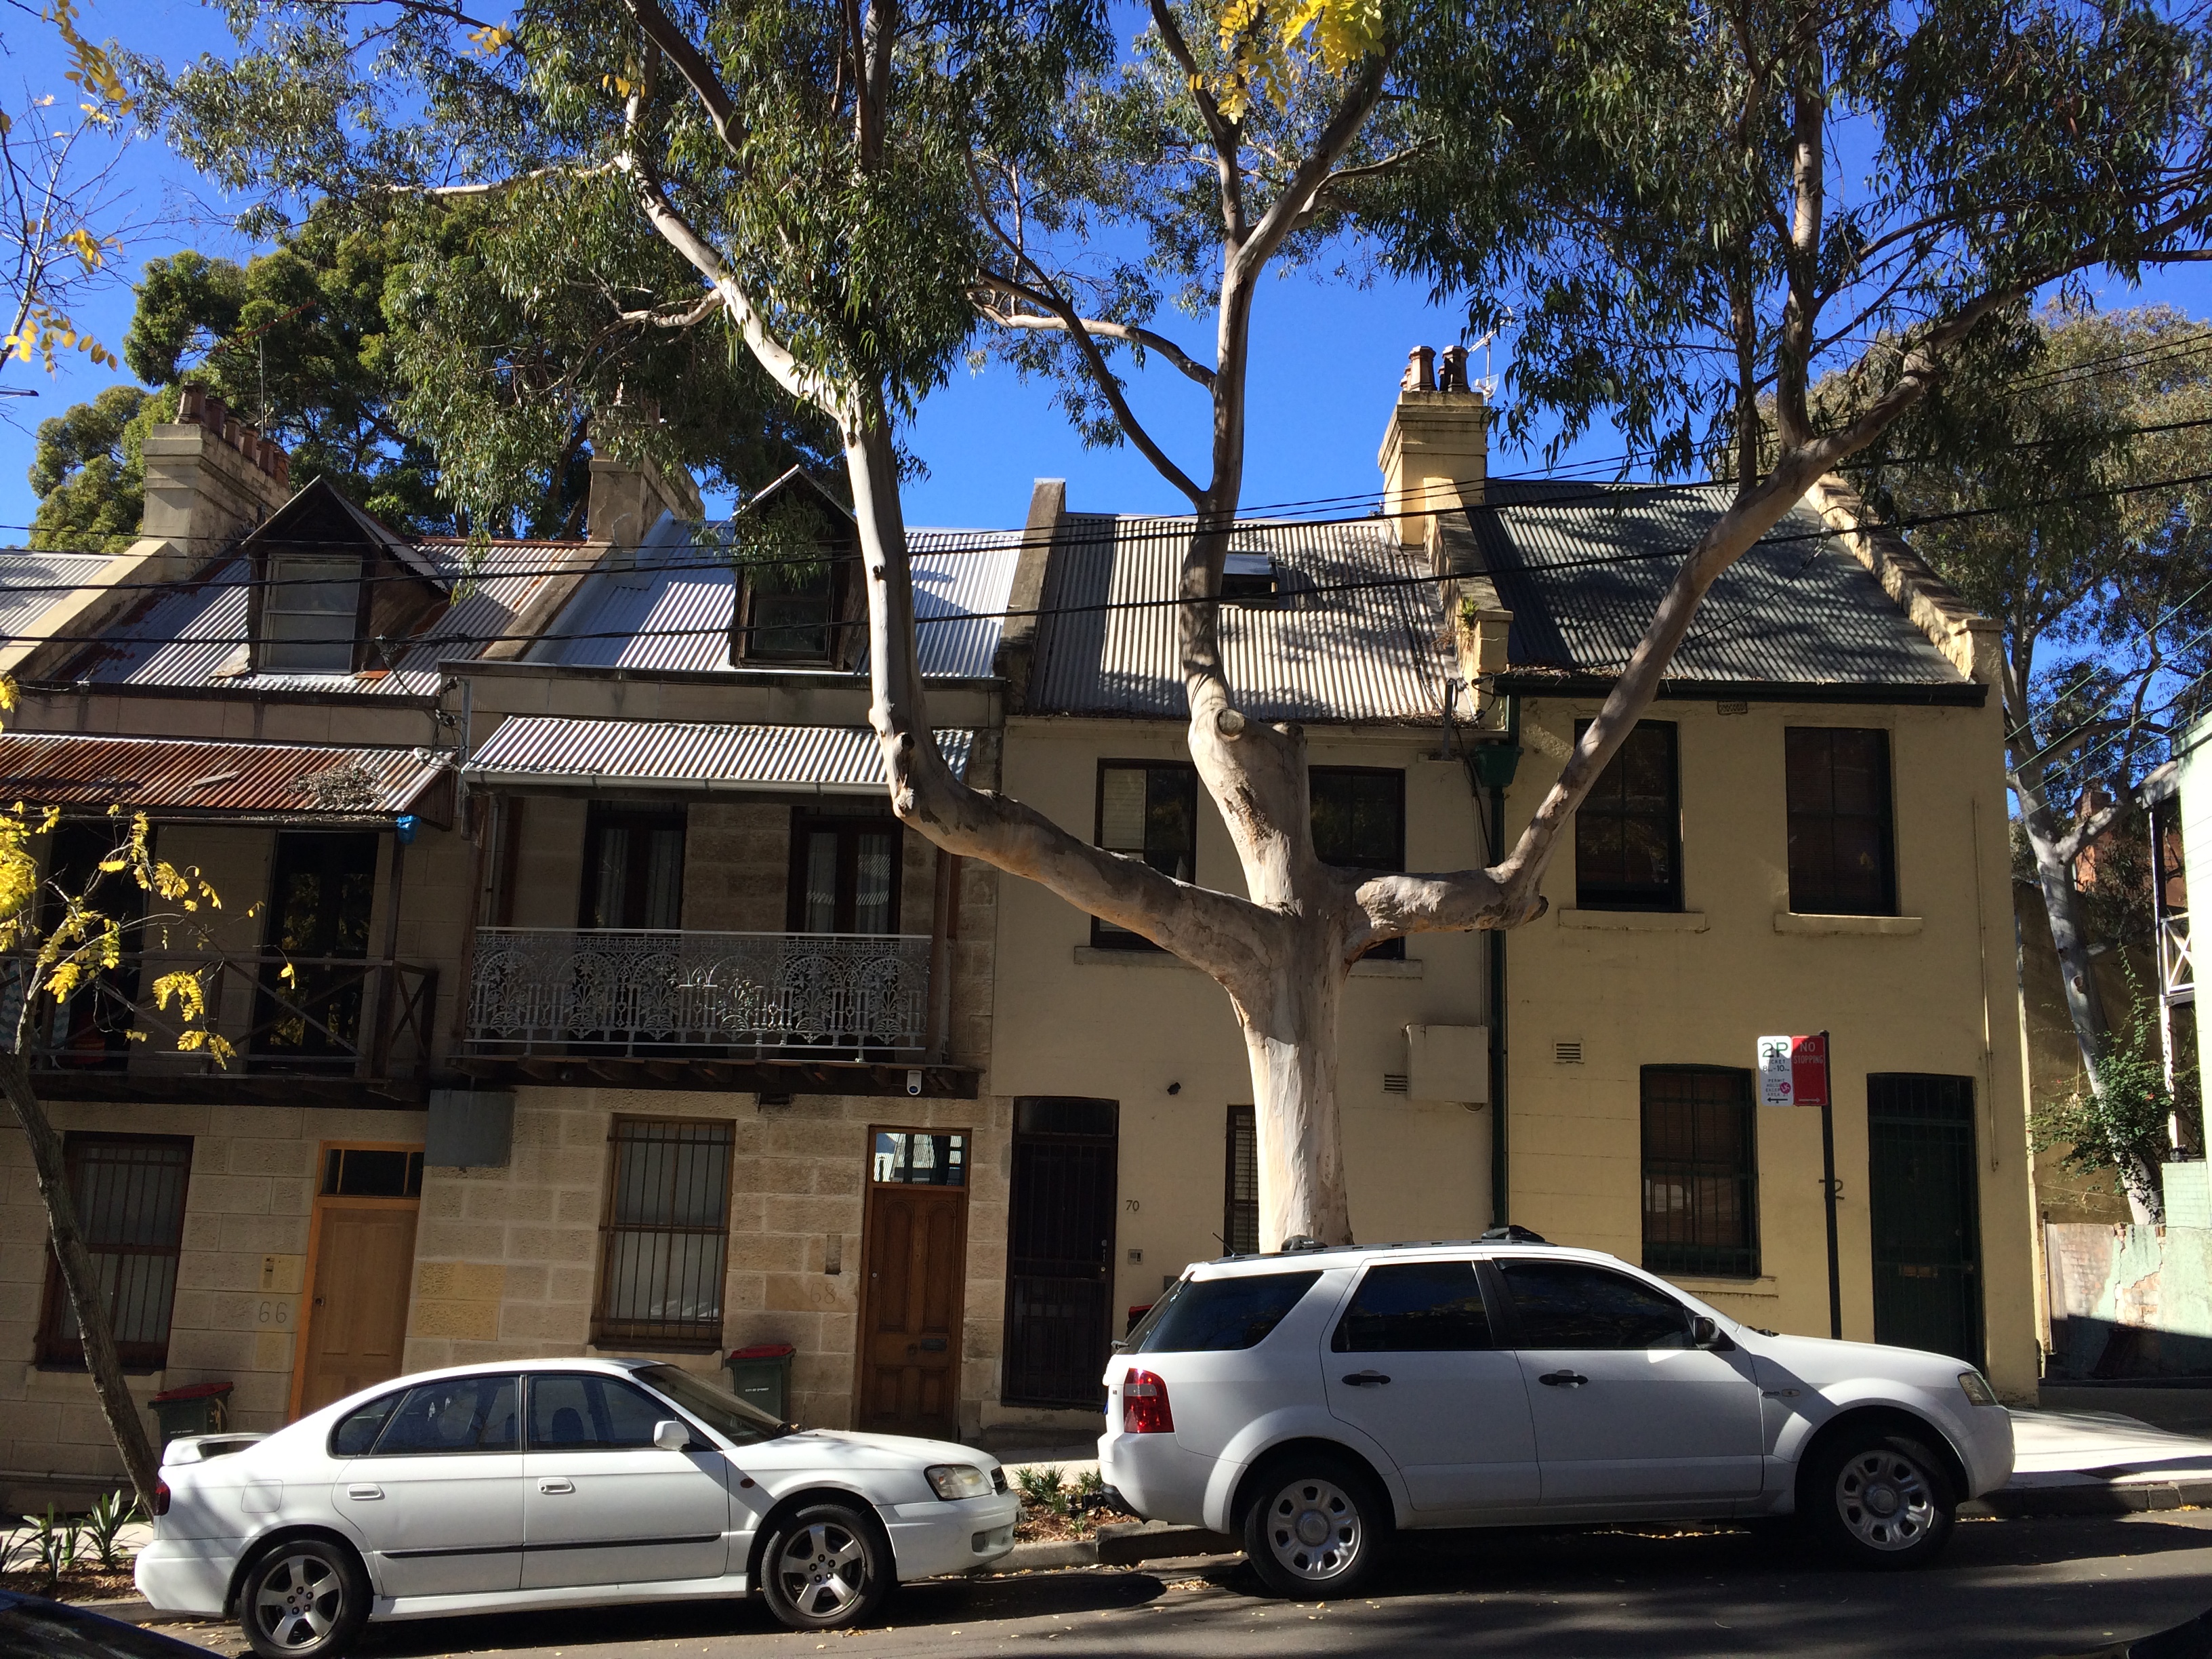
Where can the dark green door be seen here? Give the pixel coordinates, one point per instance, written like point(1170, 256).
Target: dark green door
point(1926, 1228)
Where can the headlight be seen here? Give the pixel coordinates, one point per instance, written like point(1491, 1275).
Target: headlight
point(952, 1481)
point(1976, 1388)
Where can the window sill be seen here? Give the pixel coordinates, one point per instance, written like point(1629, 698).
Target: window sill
point(1091, 955)
point(1637, 922)
point(1792, 922)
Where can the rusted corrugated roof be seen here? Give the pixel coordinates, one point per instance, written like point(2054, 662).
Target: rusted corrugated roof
point(1583, 566)
point(692, 755)
point(1352, 633)
point(672, 609)
point(53, 769)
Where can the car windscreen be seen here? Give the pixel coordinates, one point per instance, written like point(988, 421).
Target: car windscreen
point(739, 1424)
point(1209, 1316)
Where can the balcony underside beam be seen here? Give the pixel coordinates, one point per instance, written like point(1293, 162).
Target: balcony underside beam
point(721, 1076)
point(232, 1089)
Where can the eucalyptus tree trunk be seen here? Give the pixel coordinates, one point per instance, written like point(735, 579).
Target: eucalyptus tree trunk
point(81, 1277)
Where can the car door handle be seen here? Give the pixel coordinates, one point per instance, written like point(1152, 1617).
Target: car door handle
point(557, 1486)
point(1563, 1379)
point(1366, 1379)
point(364, 1493)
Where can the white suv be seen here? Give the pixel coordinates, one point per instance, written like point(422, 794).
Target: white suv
point(1312, 1402)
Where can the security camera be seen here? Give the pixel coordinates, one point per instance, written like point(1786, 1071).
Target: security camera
point(913, 1081)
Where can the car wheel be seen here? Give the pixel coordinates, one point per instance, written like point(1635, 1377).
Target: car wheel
point(1318, 1527)
point(306, 1599)
point(826, 1566)
point(1879, 1500)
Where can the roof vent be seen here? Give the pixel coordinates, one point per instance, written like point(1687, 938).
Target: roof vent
point(1567, 1051)
point(1247, 577)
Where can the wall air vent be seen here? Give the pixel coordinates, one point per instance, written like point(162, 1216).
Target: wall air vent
point(1568, 1051)
point(1393, 1083)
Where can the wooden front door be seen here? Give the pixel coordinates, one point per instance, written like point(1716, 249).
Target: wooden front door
point(915, 1250)
point(360, 1270)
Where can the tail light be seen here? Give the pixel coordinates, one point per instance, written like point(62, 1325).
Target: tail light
point(160, 1498)
point(1144, 1404)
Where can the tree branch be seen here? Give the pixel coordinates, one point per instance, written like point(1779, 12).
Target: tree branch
point(1227, 171)
point(990, 282)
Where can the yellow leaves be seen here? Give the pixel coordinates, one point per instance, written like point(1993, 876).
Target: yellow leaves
point(87, 247)
point(44, 332)
point(91, 70)
point(183, 988)
point(61, 983)
point(216, 1047)
point(289, 975)
point(1269, 44)
point(617, 85)
point(492, 39)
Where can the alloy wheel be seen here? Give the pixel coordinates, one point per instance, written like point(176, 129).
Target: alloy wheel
point(299, 1602)
point(1886, 1499)
point(822, 1569)
point(1314, 1530)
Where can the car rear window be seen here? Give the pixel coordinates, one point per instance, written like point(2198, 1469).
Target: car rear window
point(1210, 1315)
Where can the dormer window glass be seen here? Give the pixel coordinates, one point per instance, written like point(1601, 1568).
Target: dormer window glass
point(1247, 578)
point(310, 615)
point(792, 613)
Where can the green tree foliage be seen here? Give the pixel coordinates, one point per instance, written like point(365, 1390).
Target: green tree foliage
point(386, 353)
point(2119, 1124)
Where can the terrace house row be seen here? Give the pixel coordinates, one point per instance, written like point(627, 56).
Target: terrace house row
point(622, 1017)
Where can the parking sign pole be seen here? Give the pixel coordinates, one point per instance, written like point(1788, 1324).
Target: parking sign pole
point(1828, 1186)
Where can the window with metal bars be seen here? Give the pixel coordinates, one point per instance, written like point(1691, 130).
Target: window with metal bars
point(1240, 1200)
point(1700, 1172)
point(129, 1191)
point(666, 1236)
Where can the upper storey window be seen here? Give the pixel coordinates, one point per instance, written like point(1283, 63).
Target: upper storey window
point(310, 615)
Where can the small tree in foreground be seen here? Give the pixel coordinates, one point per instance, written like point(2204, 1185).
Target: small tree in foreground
point(1667, 190)
point(2121, 1122)
point(59, 935)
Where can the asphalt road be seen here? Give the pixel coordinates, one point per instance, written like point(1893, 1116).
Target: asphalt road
point(2016, 1589)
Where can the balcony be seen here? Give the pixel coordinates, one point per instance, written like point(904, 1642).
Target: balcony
point(325, 1031)
point(770, 1012)
point(2177, 976)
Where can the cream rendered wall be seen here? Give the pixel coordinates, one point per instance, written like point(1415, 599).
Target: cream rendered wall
point(548, 874)
point(1126, 1025)
point(1940, 996)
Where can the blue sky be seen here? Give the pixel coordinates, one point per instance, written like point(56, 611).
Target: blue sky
point(1327, 357)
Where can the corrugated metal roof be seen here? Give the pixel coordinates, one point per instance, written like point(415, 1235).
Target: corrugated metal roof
point(1582, 567)
point(692, 754)
point(194, 633)
point(52, 768)
point(1367, 653)
point(32, 583)
point(672, 609)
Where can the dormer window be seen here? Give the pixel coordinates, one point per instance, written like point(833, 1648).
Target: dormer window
point(1247, 578)
point(793, 613)
point(310, 615)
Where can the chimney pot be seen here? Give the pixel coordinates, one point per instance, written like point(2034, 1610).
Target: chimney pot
point(213, 413)
point(1454, 377)
point(1420, 373)
point(282, 468)
point(190, 404)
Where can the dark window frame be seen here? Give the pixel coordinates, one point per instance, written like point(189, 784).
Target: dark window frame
point(1240, 1214)
point(848, 828)
point(662, 1335)
point(1595, 812)
point(1392, 950)
point(1818, 829)
point(52, 1350)
point(642, 819)
point(1103, 934)
point(1698, 1255)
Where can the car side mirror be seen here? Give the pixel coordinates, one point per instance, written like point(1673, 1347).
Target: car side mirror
point(1706, 1332)
point(670, 1435)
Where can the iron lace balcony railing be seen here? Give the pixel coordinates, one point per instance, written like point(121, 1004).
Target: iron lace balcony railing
point(2177, 974)
point(859, 996)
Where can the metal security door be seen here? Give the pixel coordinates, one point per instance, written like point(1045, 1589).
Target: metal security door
point(1060, 1250)
point(1926, 1228)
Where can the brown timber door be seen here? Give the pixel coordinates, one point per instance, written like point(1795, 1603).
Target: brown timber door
point(915, 1250)
point(361, 1269)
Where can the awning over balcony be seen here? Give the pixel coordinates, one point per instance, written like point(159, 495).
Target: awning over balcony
point(189, 776)
point(706, 755)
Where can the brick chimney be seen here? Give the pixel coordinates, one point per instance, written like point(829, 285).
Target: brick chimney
point(210, 477)
point(1436, 451)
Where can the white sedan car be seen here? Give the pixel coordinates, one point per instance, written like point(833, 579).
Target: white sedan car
point(555, 1483)
point(1314, 1401)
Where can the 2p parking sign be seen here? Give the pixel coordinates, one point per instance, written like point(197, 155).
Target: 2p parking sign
point(1792, 1071)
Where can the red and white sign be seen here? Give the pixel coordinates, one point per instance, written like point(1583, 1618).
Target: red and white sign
point(1792, 1071)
